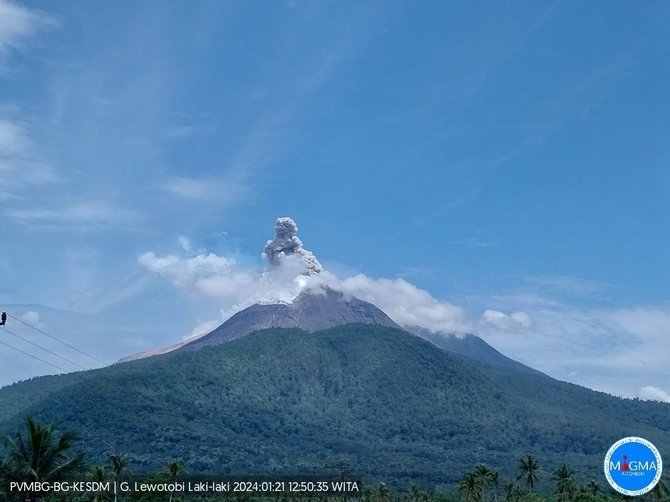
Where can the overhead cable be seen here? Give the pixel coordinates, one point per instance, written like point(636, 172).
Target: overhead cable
point(34, 357)
point(57, 339)
point(44, 349)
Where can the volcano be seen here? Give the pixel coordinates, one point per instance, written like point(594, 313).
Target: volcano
point(312, 310)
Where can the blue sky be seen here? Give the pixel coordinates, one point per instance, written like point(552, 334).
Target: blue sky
point(500, 158)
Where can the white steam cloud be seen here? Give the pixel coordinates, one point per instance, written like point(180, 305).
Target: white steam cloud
point(620, 351)
point(403, 302)
point(292, 269)
point(224, 279)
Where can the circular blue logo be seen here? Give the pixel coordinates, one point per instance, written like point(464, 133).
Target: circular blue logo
point(633, 466)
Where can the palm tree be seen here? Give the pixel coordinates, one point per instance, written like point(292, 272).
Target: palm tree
point(528, 467)
point(98, 474)
point(383, 492)
point(495, 481)
point(4, 477)
point(173, 469)
point(485, 477)
point(120, 467)
point(470, 488)
point(416, 493)
point(41, 455)
point(565, 483)
point(593, 487)
point(513, 492)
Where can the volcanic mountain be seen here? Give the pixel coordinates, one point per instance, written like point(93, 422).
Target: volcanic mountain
point(288, 388)
point(319, 309)
point(312, 310)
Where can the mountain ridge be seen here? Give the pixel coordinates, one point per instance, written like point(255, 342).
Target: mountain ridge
point(389, 403)
point(312, 310)
point(319, 309)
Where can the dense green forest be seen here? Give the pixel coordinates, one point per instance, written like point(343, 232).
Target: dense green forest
point(40, 453)
point(396, 408)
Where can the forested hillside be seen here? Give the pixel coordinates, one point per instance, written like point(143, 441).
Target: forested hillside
point(393, 406)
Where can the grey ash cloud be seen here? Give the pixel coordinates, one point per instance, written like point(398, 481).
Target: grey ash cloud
point(286, 243)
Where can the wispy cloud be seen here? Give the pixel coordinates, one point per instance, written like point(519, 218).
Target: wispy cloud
point(17, 23)
point(236, 286)
point(576, 286)
point(222, 190)
point(19, 161)
point(272, 132)
point(516, 321)
point(475, 242)
point(81, 215)
point(616, 350)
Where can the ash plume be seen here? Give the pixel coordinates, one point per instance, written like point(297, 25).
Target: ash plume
point(285, 244)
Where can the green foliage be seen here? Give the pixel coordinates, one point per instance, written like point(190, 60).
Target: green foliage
point(120, 465)
point(470, 487)
point(40, 455)
point(532, 497)
point(513, 492)
point(393, 406)
point(528, 467)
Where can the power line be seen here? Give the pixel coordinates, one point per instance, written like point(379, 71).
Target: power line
point(57, 339)
point(34, 357)
point(44, 349)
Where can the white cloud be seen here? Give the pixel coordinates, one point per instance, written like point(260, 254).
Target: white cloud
point(222, 191)
point(605, 349)
point(18, 160)
point(651, 322)
point(31, 317)
point(223, 279)
point(18, 23)
point(185, 271)
point(403, 302)
point(84, 214)
point(650, 393)
point(517, 321)
point(13, 140)
point(201, 329)
point(574, 286)
point(475, 242)
point(237, 287)
point(184, 243)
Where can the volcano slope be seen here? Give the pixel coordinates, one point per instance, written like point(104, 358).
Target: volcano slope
point(393, 406)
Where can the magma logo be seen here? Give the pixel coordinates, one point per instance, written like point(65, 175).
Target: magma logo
point(633, 466)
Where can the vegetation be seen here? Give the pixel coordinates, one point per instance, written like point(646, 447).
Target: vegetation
point(285, 401)
point(528, 468)
point(40, 454)
point(477, 485)
point(173, 470)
